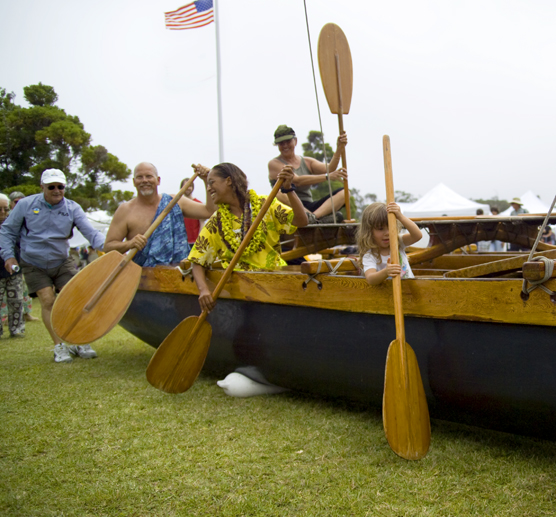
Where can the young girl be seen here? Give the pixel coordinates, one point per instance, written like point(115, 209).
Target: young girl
point(373, 240)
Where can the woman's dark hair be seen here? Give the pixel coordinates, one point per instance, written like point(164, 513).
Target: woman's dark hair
point(239, 179)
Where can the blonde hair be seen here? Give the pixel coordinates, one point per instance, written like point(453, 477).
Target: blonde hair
point(374, 216)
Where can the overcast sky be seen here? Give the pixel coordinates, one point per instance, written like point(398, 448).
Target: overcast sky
point(466, 89)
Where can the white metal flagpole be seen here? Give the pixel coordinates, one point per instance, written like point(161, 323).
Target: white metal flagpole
point(218, 88)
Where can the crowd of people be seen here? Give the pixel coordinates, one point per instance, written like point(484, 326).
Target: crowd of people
point(36, 261)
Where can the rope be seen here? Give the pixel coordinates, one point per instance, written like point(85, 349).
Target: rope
point(548, 264)
point(318, 110)
point(524, 289)
point(184, 272)
point(548, 270)
point(332, 271)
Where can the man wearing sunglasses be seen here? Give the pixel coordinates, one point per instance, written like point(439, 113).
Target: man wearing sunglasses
point(43, 224)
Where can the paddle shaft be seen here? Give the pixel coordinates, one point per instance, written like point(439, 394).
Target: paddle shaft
point(341, 128)
point(235, 259)
point(394, 245)
point(404, 409)
point(179, 359)
point(129, 256)
point(394, 254)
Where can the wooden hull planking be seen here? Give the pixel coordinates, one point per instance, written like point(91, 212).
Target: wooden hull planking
point(487, 357)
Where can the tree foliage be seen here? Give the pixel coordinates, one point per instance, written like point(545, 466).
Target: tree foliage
point(501, 204)
point(44, 136)
point(313, 149)
point(360, 202)
point(404, 197)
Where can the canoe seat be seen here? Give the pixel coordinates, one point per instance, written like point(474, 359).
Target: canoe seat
point(185, 265)
point(344, 264)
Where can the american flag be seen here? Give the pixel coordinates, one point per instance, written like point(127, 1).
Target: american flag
point(190, 16)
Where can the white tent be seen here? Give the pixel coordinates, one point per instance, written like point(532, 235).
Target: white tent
point(531, 202)
point(99, 219)
point(442, 200)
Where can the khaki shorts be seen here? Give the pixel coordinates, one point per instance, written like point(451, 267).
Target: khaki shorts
point(38, 278)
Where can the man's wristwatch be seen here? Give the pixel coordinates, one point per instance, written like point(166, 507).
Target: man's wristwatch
point(286, 190)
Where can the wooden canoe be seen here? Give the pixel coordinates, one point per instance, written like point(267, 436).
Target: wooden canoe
point(487, 356)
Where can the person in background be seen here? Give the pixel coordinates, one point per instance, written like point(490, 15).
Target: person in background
point(41, 224)
point(27, 300)
point(11, 285)
point(91, 254)
point(482, 246)
point(192, 226)
point(307, 172)
point(74, 255)
point(14, 198)
point(517, 206)
point(518, 209)
point(548, 236)
point(83, 257)
point(373, 240)
point(496, 245)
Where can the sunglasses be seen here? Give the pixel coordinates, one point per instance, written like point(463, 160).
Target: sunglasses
point(59, 187)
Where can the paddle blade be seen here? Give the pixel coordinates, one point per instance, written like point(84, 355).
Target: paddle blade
point(70, 319)
point(404, 407)
point(177, 362)
point(332, 43)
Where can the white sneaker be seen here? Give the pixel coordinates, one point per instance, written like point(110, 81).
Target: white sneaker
point(84, 351)
point(61, 354)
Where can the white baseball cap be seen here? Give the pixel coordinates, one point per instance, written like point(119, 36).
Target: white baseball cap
point(53, 176)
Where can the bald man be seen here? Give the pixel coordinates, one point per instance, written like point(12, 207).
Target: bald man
point(168, 244)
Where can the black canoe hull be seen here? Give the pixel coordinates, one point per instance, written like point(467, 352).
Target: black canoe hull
point(492, 375)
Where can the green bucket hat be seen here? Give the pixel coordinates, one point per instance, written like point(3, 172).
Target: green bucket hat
point(283, 133)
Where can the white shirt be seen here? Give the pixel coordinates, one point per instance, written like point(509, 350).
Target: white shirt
point(371, 262)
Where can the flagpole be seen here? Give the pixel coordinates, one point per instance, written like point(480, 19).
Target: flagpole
point(218, 86)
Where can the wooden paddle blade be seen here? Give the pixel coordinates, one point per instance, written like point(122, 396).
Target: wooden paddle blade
point(177, 362)
point(70, 319)
point(333, 41)
point(405, 412)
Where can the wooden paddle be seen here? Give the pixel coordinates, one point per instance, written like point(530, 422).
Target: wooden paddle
point(404, 406)
point(336, 73)
point(94, 301)
point(177, 362)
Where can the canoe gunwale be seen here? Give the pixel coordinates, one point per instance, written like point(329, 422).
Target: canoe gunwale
point(466, 299)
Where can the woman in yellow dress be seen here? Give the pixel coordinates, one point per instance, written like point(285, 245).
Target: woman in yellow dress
point(238, 206)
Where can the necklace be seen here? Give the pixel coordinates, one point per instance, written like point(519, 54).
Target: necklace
point(233, 238)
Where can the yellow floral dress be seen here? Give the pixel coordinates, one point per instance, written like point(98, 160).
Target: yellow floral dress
point(212, 244)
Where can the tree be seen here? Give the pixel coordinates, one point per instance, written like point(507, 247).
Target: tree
point(44, 136)
point(501, 204)
point(313, 149)
point(359, 202)
point(404, 197)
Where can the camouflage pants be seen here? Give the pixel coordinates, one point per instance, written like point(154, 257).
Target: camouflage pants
point(13, 287)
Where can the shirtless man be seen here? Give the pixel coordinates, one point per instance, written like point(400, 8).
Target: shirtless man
point(132, 219)
point(308, 172)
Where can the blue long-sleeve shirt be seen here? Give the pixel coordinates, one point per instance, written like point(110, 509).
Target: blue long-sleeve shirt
point(43, 231)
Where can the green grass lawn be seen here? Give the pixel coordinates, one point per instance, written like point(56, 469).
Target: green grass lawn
point(94, 438)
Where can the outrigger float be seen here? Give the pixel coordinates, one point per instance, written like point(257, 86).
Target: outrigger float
point(485, 342)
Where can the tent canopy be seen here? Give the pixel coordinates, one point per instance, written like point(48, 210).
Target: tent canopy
point(99, 220)
point(442, 200)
